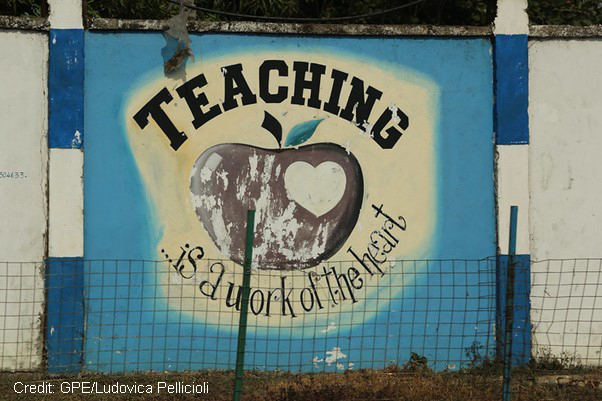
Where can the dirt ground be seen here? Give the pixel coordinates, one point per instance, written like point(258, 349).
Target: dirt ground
point(388, 384)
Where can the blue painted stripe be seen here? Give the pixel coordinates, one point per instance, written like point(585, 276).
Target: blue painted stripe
point(521, 325)
point(65, 314)
point(66, 88)
point(511, 89)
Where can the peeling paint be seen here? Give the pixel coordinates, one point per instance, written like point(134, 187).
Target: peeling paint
point(210, 166)
point(334, 355)
point(224, 177)
point(253, 163)
point(367, 129)
point(394, 115)
point(221, 230)
point(348, 146)
point(330, 327)
point(242, 189)
point(77, 139)
point(252, 178)
point(331, 357)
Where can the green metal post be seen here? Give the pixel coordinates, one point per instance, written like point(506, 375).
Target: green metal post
point(244, 307)
point(509, 305)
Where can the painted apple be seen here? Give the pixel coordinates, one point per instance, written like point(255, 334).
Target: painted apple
point(306, 200)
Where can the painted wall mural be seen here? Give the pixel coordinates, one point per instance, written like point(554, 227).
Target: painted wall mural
point(355, 154)
point(217, 138)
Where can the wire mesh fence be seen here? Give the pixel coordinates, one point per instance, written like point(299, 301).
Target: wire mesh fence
point(21, 315)
point(566, 311)
point(120, 316)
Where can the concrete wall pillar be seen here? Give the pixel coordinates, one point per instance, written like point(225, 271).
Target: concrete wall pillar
point(512, 167)
point(512, 128)
point(64, 271)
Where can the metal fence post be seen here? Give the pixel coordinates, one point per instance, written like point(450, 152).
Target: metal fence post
point(509, 305)
point(244, 307)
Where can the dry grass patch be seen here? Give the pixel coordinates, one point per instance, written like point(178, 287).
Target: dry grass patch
point(388, 384)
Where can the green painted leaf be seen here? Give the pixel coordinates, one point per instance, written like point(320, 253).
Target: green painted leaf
point(302, 132)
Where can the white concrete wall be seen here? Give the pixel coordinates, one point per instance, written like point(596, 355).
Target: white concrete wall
point(66, 199)
point(511, 18)
point(65, 14)
point(23, 207)
point(565, 162)
point(513, 190)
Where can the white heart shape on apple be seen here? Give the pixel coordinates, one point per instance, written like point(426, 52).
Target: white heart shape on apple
point(317, 189)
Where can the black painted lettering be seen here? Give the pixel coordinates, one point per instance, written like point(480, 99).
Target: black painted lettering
point(379, 211)
point(212, 286)
point(233, 76)
point(393, 134)
point(315, 291)
point(311, 298)
point(196, 102)
point(364, 262)
point(257, 311)
point(286, 302)
point(360, 102)
point(354, 275)
point(154, 110)
point(343, 277)
point(269, 301)
point(192, 259)
point(229, 302)
point(332, 106)
point(391, 244)
point(313, 84)
point(264, 81)
point(330, 290)
point(374, 256)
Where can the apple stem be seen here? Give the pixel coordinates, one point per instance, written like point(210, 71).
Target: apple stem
point(273, 126)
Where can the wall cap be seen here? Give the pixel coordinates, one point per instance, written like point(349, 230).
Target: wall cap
point(535, 31)
point(25, 23)
point(565, 31)
point(294, 29)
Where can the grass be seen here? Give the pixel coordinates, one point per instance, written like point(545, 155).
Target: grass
point(393, 383)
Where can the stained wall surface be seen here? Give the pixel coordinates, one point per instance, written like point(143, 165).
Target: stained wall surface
point(23, 188)
point(565, 196)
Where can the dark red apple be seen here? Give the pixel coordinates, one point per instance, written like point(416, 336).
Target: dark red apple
point(307, 201)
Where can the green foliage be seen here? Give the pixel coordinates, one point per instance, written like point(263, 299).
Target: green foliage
point(479, 361)
point(130, 9)
point(20, 7)
point(417, 363)
point(432, 12)
point(436, 12)
point(565, 12)
point(545, 360)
